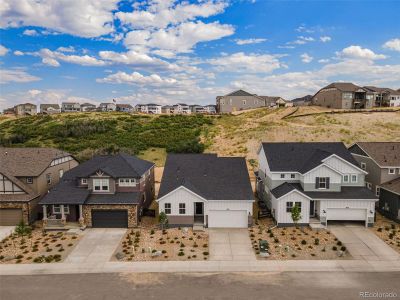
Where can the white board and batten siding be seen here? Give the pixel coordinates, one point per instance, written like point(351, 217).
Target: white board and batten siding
point(180, 195)
point(322, 171)
point(346, 209)
point(279, 208)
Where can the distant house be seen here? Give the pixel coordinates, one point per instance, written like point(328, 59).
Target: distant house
point(68, 107)
point(343, 95)
point(141, 108)
point(322, 179)
point(302, 101)
point(382, 162)
point(167, 109)
point(210, 109)
point(106, 191)
point(107, 106)
point(239, 100)
point(26, 174)
point(49, 109)
point(124, 108)
point(88, 107)
point(25, 109)
point(197, 109)
point(182, 108)
point(153, 108)
point(9, 111)
point(207, 190)
point(384, 96)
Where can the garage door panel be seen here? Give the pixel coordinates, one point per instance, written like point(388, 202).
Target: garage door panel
point(110, 218)
point(227, 219)
point(10, 216)
point(347, 214)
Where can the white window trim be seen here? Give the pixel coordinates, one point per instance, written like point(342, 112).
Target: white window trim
point(184, 208)
point(101, 181)
point(391, 171)
point(324, 182)
point(348, 178)
point(131, 182)
point(58, 211)
point(283, 176)
point(84, 181)
point(48, 179)
point(169, 208)
point(363, 166)
point(354, 181)
point(377, 191)
point(369, 185)
point(292, 204)
point(29, 180)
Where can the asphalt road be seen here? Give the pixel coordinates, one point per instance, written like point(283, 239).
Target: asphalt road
point(293, 285)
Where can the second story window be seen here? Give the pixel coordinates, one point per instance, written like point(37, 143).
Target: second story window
point(48, 179)
point(101, 185)
point(322, 183)
point(84, 181)
point(282, 175)
point(29, 180)
point(292, 176)
point(363, 166)
point(346, 178)
point(353, 178)
point(126, 182)
point(392, 171)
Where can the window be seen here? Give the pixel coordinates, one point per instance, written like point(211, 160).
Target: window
point(377, 191)
point(353, 178)
point(292, 175)
point(167, 208)
point(369, 185)
point(48, 179)
point(298, 204)
point(61, 173)
point(182, 208)
point(244, 102)
point(57, 209)
point(101, 185)
point(83, 181)
point(29, 180)
point(322, 183)
point(126, 182)
point(392, 171)
point(363, 166)
point(282, 175)
point(289, 206)
point(345, 178)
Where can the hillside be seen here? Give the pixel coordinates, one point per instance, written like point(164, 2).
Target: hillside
point(152, 136)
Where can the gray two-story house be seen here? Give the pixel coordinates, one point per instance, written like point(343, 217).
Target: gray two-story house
point(322, 179)
point(382, 162)
point(106, 191)
point(241, 100)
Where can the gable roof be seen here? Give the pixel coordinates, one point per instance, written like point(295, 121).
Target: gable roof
point(117, 166)
point(386, 154)
point(382, 90)
point(209, 176)
point(240, 93)
point(27, 196)
point(392, 186)
point(28, 161)
point(344, 86)
point(303, 157)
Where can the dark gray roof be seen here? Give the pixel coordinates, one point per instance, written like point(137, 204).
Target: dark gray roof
point(117, 198)
point(66, 192)
point(302, 157)
point(344, 86)
point(119, 165)
point(239, 93)
point(386, 154)
point(347, 192)
point(212, 177)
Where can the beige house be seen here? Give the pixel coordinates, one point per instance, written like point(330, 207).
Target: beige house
point(242, 100)
point(385, 97)
point(343, 95)
point(49, 109)
point(26, 174)
point(25, 109)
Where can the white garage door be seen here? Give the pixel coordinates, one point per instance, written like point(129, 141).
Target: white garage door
point(347, 214)
point(227, 219)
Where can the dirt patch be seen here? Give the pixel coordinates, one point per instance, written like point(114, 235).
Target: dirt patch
point(38, 247)
point(388, 231)
point(151, 243)
point(297, 243)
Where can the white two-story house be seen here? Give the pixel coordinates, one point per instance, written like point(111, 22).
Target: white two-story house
point(323, 179)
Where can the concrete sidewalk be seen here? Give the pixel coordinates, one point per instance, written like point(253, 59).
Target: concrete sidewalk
point(204, 266)
point(5, 231)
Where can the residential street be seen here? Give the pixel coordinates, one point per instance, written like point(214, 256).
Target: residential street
point(310, 285)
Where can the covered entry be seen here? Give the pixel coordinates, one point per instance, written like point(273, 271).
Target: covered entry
point(227, 219)
point(10, 216)
point(110, 218)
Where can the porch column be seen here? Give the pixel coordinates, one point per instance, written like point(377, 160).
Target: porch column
point(44, 212)
point(62, 212)
point(81, 221)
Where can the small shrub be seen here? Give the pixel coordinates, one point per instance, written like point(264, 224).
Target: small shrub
point(316, 242)
point(379, 229)
point(205, 246)
point(182, 245)
point(19, 256)
point(276, 240)
point(164, 251)
point(195, 245)
point(152, 231)
point(343, 248)
point(181, 254)
point(339, 243)
point(205, 253)
point(303, 242)
point(334, 248)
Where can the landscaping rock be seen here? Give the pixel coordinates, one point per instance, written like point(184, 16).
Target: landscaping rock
point(120, 255)
point(8, 258)
point(157, 253)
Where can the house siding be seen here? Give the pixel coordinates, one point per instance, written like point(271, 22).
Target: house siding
point(391, 201)
point(279, 208)
point(237, 103)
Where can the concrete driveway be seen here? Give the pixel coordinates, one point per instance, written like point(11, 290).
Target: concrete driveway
point(362, 243)
point(230, 244)
point(5, 231)
point(96, 246)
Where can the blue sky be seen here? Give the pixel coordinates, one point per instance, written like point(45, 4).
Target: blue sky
point(191, 51)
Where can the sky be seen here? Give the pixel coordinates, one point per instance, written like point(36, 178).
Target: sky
point(168, 51)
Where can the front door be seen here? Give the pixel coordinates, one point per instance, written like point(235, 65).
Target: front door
point(312, 209)
point(198, 208)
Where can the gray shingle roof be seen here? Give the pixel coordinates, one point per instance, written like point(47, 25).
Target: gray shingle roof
point(239, 93)
point(386, 154)
point(117, 198)
point(66, 192)
point(344, 86)
point(302, 157)
point(211, 177)
point(120, 165)
point(393, 186)
point(347, 192)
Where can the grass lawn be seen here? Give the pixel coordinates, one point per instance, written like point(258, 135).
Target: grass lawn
point(150, 243)
point(37, 247)
point(388, 231)
point(156, 155)
point(295, 243)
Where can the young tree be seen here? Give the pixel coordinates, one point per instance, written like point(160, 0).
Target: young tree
point(22, 229)
point(163, 220)
point(296, 214)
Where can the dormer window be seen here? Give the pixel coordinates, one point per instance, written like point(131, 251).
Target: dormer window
point(84, 181)
point(101, 185)
point(126, 182)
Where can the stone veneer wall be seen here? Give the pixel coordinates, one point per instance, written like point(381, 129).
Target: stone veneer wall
point(132, 213)
point(23, 205)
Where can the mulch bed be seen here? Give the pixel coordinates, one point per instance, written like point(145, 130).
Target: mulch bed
point(388, 231)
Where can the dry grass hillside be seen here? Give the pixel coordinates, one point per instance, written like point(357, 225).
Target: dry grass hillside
point(241, 134)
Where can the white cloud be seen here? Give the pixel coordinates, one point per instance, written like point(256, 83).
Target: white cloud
point(301, 40)
point(324, 60)
point(16, 75)
point(48, 61)
point(249, 41)
point(3, 50)
point(66, 49)
point(325, 39)
point(30, 32)
point(305, 58)
point(356, 52)
point(250, 63)
point(137, 78)
point(393, 44)
point(51, 58)
point(85, 18)
point(18, 53)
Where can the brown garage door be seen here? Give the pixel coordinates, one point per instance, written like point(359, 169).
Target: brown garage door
point(10, 216)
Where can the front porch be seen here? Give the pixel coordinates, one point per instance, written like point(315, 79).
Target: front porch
point(63, 217)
